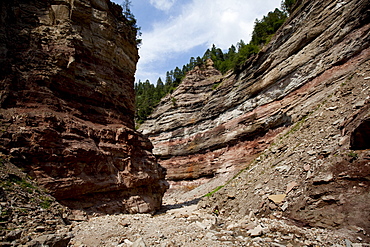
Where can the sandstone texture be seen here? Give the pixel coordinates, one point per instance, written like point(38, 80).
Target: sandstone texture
point(295, 117)
point(67, 105)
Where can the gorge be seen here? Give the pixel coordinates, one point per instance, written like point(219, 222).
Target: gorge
point(274, 153)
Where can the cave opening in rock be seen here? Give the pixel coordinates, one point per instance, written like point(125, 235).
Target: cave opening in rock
point(360, 137)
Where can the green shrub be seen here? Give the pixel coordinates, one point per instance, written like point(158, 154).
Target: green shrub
point(45, 202)
point(352, 154)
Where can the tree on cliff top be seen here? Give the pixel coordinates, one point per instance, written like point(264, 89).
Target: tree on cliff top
point(287, 5)
point(265, 28)
point(148, 95)
point(126, 5)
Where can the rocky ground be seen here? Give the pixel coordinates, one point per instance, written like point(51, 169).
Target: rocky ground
point(28, 215)
point(28, 219)
point(183, 223)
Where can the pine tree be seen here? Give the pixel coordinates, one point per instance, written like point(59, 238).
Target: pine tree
point(148, 96)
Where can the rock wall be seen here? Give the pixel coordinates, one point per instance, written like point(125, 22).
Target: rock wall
point(315, 68)
point(67, 104)
point(313, 175)
point(237, 115)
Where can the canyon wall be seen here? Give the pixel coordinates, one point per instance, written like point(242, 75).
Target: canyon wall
point(212, 124)
point(67, 105)
point(292, 116)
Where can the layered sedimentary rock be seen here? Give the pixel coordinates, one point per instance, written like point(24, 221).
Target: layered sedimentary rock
point(271, 91)
point(67, 104)
point(312, 75)
point(235, 116)
point(194, 145)
point(315, 174)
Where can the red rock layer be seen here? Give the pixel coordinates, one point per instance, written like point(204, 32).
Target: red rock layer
point(67, 104)
point(312, 79)
point(270, 91)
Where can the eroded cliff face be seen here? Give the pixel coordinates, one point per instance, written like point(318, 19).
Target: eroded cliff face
point(67, 104)
point(314, 74)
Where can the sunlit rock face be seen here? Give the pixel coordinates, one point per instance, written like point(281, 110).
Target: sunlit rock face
point(67, 104)
point(310, 88)
point(214, 123)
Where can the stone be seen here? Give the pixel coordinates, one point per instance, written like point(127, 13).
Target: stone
point(272, 206)
point(283, 168)
point(311, 152)
point(258, 186)
point(206, 224)
point(306, 167)
point(328, 198)
point(285, 206)
point(211, 236)
point(309, 175)
point(61, 12)
point(323, 178)
point(343, 140)
point(357, 244)
point(201, 225)
point(277, 199)
point(359, 104)
point(250, 226)
point(139, 243)
point(333, 108)
point(348, 243)
point(128, 242)
point(232, 226)
point(52, 240)
point(277, 244)
point(290, 186)
point(256, 232)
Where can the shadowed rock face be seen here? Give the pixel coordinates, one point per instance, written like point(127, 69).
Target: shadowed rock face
point(67, 104)
point(360, 137)
point(308, 87)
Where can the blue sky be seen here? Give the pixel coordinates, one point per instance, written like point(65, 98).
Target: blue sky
point(175, 30)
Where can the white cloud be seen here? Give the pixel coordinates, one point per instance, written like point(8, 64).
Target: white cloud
point(164, 5)
point(204, 22)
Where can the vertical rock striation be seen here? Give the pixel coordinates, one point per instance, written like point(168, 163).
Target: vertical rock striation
point(67, 104)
